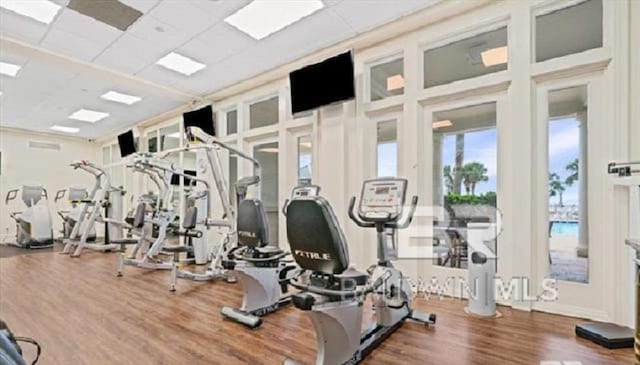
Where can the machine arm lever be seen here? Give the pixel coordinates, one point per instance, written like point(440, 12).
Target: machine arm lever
point(60, 194)
point(11, 194)
point(409, 217)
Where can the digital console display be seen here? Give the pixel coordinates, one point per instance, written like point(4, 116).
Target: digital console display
point(382, 190)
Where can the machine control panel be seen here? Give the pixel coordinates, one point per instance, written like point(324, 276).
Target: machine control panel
point(303, 191)
point(382, 198)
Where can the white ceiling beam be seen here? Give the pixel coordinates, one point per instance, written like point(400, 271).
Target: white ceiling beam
point(14, 46)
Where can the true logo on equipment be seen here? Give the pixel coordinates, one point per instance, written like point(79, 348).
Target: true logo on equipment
point(313, 255)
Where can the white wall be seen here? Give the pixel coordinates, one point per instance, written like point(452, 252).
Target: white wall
point(22, 164)
point(343, 134)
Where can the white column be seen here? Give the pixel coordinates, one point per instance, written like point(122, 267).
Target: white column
point(583, 212)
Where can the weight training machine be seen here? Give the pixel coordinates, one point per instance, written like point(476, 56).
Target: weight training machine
point(160, 219)
point(102, 196)
point(70, 217)
point(208, 150)
point(333, 293)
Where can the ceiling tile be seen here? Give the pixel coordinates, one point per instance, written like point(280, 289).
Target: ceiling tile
point(142, 5)
point(183, 16)
point(217, 43)
point(71, 45)
point(130, 54)
point(159, 32)
point(162, 76)
point(219, 9)
point(86, 27)
point(21, 27)
point(377, 12)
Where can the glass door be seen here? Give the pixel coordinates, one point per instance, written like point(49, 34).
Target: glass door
point(268, 154)
point(572, 147)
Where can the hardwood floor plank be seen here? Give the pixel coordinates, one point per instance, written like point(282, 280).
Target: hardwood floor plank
point(81, 313)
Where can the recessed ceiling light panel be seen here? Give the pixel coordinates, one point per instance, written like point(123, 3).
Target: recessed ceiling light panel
point(179, 63)
point(442, 124)
point(90, 116)
point(41, 10)
point(259, 18)
point(9, 69)
point(495, 56)
point(61, 128)
point(395, 82)
point(121, 98)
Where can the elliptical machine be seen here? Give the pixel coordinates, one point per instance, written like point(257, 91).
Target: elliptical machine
point(333, 293)
point(33, 226)
point(262, 270)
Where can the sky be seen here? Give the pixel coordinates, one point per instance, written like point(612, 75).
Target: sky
point(564, 147)
point(481, 146)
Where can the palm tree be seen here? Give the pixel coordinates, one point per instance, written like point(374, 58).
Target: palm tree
point(473, 173)
point(448, 178)
point(457, 171)
point(573, 169)
point(556, 187)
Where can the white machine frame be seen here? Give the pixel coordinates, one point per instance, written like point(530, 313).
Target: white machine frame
point(200, 141)
point(103, 194)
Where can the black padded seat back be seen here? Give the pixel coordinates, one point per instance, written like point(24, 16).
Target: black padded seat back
point(139, 214)
point(190, 218)
point(316, 239)
point(252, 226)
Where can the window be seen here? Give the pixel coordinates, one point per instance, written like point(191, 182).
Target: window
point(387, 79)
point(232, 122)
point(305, 160)
point(570, 30)
point(263, 113)
point(152, 142)
point(567, 148)
point(480, 55)
point(170, 137)
point(267, 155)
point(387, 149)
point(464, 175)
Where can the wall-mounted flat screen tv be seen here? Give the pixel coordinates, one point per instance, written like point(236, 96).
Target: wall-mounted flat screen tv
point(127, 144)
point(201, 118)
point(327, 82)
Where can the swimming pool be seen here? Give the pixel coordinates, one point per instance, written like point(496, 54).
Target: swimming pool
point(564, 229)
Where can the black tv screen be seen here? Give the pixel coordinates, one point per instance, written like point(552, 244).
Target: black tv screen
point(201, 118)
point(127, 144)
point(175, 179)
point(329, 81)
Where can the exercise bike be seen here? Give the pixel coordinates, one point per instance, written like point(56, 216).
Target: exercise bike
point(262, 270)
point(333, 293)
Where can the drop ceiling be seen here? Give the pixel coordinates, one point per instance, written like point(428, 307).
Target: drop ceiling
point(68, 64)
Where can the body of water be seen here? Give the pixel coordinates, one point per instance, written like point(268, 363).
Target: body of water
point(564, 229)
